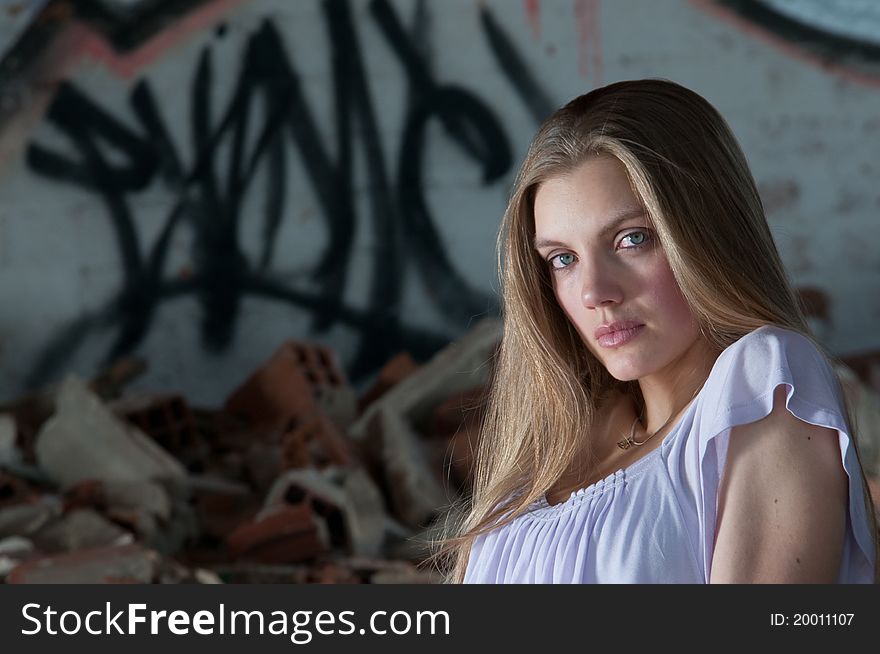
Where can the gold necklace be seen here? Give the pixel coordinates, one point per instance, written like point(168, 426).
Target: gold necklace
point(629, 441)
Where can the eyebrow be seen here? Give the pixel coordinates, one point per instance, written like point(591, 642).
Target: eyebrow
point(611, 226)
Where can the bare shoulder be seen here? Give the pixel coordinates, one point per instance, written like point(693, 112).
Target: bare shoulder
point(782, 502)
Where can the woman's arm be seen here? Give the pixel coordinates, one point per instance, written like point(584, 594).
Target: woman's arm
point(782, 502)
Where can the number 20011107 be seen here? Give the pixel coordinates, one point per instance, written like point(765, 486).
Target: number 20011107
point(812, 619)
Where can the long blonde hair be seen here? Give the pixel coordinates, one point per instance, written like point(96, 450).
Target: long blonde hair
point(687, 169)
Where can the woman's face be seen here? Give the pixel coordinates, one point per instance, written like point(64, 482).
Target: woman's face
point(609, 273)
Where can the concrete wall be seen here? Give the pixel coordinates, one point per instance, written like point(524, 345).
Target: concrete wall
point(195, 182)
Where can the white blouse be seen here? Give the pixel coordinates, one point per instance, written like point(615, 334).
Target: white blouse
point(654, 521)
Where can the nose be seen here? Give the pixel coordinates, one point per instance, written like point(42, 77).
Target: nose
point(599, 286)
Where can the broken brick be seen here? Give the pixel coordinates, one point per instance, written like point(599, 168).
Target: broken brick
point(85, 494)
point(287, 535)
point(222, 513)
point(316, 442)
point(85, 440)
point(78, 530)
point(299, 380)
point(392, 373)
point(276, 393)
point(168, 420)
point(345, 499)
point(460, 366)
point(118, 564)
point(403, 468)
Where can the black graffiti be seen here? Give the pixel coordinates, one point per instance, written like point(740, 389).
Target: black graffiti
point(209, 201)
point(515, 69)
point(851, 50)
point(128, 25)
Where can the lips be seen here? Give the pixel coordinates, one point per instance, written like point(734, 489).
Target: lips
point(621, 325)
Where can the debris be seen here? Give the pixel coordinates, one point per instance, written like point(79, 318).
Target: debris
point(9, 453)
point(412, 488)
point(167, 419)
point(84, 440)
point(147, 496)
point(13, 551)
point(108, 384)
point(280, 392)
point(388, 430)
point(15, 545)
point(263, 462)
point(286, 483)
point(203, 576)
point(29, 413)
point(286, 535)
point(222, 506)
point(13, 490)
point(462, 365)
point(392, 373)
point(345, 498)
point(315, 442)
point(118, 564)
point(26, 518)
point(79, 529)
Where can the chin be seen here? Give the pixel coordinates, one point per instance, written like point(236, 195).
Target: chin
point(623, 372)
point(623, 377)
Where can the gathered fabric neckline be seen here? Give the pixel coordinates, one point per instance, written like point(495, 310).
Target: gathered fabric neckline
point(629, 472)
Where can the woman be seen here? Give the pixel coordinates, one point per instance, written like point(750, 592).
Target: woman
point(659, 411)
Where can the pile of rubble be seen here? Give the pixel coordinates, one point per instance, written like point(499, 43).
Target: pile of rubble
point(296, 479)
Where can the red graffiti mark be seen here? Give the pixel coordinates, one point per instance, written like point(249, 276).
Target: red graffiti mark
point(82, 42)
point(586, 14)
point(533, 13)
point(732, 18)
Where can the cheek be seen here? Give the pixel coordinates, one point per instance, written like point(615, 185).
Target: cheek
point(567, 297)
point(669, 296)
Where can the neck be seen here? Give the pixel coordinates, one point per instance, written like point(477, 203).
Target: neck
point(670, 390)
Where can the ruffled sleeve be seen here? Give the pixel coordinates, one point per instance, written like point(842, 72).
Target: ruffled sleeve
point(740, 389)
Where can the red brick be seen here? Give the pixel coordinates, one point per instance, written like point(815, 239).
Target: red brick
point(86, 494)
point(287, 535)
point(395, 371)
point(168, 420)
point(276, 393)
point(220, 514)
point(317, 442)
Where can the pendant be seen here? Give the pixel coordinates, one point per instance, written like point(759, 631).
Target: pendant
point(625, 444)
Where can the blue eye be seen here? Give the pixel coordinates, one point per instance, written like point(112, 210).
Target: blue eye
point(562, 260)
point(637, 239)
